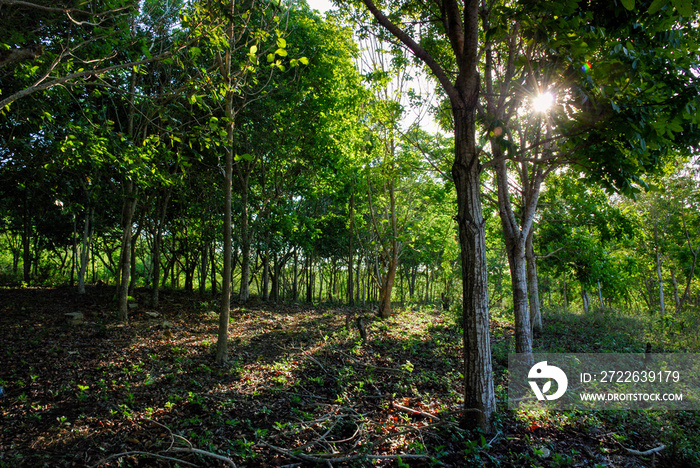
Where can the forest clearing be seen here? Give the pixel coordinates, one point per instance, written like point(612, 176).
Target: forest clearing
point(256, 233)
point(300, 389)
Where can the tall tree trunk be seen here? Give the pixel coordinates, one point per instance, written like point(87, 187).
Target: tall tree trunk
point(515, 240)
point(244, 177)
point(222, 337)
point(125, 258)
point(585, 300)
point(225, 306)
point(74, 250)
point(203, 268)
point(387, 287)
point(212, 260)
point(309, 280)
point(351, 215)
point(660, 279)
point(274, 293)
point(295, 287)
point(85, 250)
point(266, 272)
point(27, 243)
point(479, 395)
point(533, 285)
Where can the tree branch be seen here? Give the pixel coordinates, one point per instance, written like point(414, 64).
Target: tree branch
point(418, 50)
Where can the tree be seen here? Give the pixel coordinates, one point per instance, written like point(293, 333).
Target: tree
point(455, 27)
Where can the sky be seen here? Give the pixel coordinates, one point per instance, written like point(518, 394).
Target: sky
point(320, 5)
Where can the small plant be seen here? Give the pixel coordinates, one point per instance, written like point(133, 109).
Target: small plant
point(63, 421)
point(82, 396)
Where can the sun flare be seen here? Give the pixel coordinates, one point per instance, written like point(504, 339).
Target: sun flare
point(543, 102)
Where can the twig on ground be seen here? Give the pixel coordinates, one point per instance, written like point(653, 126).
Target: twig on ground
point(415, 411)
point(138, 452)
point(494, 438)
point(646, 453)
point(162, 454)
point(226, 460)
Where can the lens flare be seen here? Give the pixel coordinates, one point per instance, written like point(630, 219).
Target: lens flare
point(543, 102)
point(586, 67)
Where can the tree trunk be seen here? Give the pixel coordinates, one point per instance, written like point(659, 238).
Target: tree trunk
point(125, 257)
point(662, 305)
point(266, 272)
point(515, 240)
point(155, 254)
point(584, 299)
point(245, 238)
point(533, 285)
point(351, 215)
point(212, 260)
point(26, 244)
point(309, 280)
point(74, 252)
point(295, 287)
point(222, 338)
point(387, 287)
point(85, 251)
point(479, 396)
point(203, 269)
point(274, 293)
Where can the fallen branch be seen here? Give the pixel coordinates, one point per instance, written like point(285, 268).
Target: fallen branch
point(415, 411)
point(138, 452)
point(645, 453)
point(163, 454)
point(226, 460)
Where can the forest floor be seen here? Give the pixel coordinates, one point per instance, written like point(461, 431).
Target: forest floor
point(301, 389)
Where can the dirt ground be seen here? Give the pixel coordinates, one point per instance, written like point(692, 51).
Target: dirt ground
point(300, 389)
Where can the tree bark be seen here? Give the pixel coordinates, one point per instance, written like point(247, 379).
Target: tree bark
point(515, 240)
point(479, 395)
point(85, 250)
point(26, 244)
point(660, 282)
point(125, 258)
point(351, 248)
point(225, 306)
point(155, 254)
point(244, 295)
point(533, 285)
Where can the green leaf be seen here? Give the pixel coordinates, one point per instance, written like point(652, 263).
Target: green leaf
point(656, 6)
point(281, 43)
point(684, 7)
point(253, 50)
point(281, 52)
point(304, 60)
point(246, 157)
point(629, 4)
point(270, 58)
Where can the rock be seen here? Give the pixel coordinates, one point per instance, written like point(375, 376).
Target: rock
point(167, 324)
point(153, 314)
point(133, 305)
point(75, 318)
point(543, 452)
